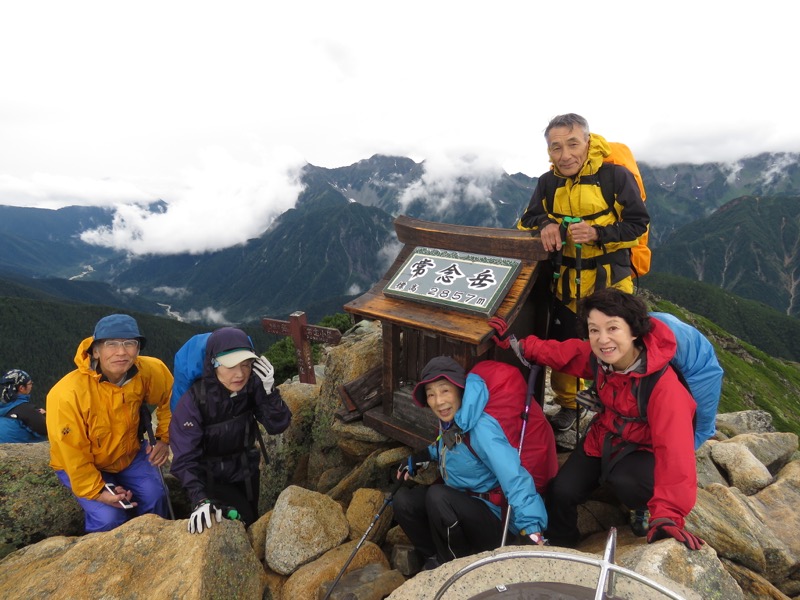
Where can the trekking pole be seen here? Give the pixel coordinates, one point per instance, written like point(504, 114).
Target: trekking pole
point(144, 415)
point(578, 248)
point(261, 441)
point(532, 379)
point(386, 502)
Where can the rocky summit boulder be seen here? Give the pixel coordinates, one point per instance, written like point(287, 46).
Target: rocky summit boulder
point(303, 526)
point(359, 351)
point(743, 469)
point(148, 557)
point(306, 581)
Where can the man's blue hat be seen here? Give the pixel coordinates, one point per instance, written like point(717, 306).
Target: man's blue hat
point(122, 327)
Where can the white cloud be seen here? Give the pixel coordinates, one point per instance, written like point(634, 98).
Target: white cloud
point(174, 292)
point(48, 190)
point(102, 104)
point(208, 315)
point(777, 170)
point(448, 178)
point(388, 253)
point(222, 203)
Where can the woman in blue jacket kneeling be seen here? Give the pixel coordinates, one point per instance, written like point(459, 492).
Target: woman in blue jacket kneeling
point(462, 516)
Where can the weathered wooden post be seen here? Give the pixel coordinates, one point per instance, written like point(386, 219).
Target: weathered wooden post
point(302, 335)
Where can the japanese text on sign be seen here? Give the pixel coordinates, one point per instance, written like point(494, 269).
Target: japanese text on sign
point(470, 282)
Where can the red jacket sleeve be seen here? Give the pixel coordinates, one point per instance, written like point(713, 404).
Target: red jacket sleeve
point(669, 415)
point(570, 356)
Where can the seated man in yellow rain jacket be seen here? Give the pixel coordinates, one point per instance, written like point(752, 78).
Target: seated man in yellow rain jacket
point(589, 240)
point(93, 426)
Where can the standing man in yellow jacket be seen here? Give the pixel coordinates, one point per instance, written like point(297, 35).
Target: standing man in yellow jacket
point(589, 240)
point(93, 426)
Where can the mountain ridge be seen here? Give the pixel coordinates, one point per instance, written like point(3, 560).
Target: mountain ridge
point(338, 239)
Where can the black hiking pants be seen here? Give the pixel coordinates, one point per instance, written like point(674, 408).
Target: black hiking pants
point(631, 479)
point(445, 522)
point(235, 494)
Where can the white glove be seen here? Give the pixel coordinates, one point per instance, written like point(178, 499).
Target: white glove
point(265, 372)
point(202, 512)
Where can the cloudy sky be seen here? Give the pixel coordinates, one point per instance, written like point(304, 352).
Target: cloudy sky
point(213, 106)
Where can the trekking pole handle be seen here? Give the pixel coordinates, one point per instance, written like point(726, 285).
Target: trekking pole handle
point(569, 221)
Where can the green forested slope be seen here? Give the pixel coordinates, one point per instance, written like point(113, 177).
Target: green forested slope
point(766, 328)
point(749, 247)
point(753, 379)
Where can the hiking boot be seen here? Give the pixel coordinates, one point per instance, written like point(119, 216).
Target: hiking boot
point(564, 419)
point(431, 563)
point(640, 522)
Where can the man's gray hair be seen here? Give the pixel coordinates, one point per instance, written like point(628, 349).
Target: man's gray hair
point(568, 120)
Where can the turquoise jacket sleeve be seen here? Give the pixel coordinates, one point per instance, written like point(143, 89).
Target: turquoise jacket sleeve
point(493, 449)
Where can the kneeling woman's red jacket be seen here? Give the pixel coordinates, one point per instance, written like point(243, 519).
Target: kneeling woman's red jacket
point(667, 431)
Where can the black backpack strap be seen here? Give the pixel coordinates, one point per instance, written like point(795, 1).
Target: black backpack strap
point(605, 176)
point(550, 184)
point(642, 387)
point(465, 439)
point(198, 389)
point(199, 394)
point(491, 495)
point(594, 366)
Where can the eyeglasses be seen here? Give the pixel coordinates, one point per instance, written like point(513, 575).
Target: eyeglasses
point(117, 344)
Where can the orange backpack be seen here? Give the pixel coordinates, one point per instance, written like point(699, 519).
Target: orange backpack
point(622, 155)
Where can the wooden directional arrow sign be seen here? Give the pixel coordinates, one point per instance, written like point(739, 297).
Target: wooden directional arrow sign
point(302, 335)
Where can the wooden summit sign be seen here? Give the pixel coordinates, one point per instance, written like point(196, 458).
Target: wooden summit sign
point(418, 326)
point(457, 280)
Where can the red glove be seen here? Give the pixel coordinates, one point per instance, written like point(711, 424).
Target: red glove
point(501, 327)
point(662, 528)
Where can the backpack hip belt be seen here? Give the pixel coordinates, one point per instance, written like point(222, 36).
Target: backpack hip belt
point(597, 261)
